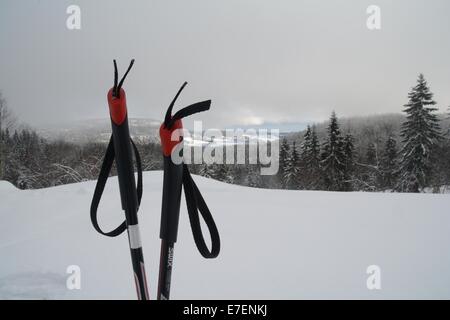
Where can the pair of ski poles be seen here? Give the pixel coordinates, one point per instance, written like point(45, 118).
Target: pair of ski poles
point(176, 175)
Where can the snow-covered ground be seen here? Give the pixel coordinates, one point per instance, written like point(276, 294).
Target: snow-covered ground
point(275, 244)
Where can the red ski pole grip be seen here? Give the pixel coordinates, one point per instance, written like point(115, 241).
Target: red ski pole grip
point(168, 141)
point(117, 106)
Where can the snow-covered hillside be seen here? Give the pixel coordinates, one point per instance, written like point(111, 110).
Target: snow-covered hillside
point(275, 244)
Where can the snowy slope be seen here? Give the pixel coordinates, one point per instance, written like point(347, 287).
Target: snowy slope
point(275, 244)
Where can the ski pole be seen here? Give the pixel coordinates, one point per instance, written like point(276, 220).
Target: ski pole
point(120, 150)
point(176, 176)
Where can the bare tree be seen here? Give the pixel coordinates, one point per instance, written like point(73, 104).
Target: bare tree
point(7, 119)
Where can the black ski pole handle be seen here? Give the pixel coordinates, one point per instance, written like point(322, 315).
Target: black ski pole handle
point(170, 209)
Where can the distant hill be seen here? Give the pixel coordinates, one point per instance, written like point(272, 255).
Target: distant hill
point(99, 130)
point(369, 129)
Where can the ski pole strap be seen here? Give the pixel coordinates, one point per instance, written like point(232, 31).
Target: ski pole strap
point(196, 203)
point(100, 186)
point(169, 120)
point(189, 110)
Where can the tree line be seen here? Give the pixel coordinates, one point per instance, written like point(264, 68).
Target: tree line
point(420, 160)
point(415, 159)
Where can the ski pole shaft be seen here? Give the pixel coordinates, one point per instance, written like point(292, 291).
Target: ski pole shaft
point(165, 271)
point(170, 212)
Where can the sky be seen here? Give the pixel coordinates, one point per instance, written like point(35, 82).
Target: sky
point(260, 61)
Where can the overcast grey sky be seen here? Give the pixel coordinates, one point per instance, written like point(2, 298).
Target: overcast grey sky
point(259, 61)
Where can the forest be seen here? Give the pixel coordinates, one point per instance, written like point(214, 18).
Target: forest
point(405, 152)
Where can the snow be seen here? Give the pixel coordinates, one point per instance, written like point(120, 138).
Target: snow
point(275, 244)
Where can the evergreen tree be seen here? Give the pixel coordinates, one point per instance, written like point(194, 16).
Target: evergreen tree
point(349, 152)
point(333, 157)
point(389, 163)
point(292, 169)
point(313, 165)
point(420, 132)
point(305, 150)
point(306, 145)
point(310, 160)
point(283, 159)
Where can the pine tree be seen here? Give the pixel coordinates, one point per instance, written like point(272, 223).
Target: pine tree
point(313, 165)
point(306, 145)
point(389, 163)
point(349, 152)
point(292, 169)
point(420, 133)
point(305, 150)
point(333, 157)
point(283, 159)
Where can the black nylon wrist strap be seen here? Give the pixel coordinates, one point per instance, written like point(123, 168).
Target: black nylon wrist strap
point(100, 186)
point(196, 203)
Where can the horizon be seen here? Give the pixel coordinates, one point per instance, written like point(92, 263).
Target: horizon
point(283, 128)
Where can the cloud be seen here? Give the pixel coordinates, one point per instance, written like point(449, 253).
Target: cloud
point(259, 61)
